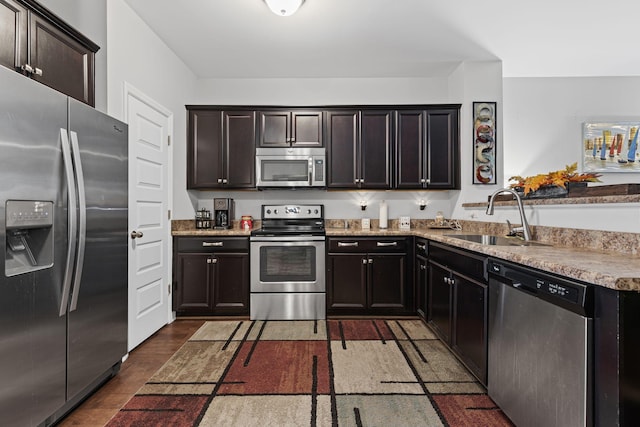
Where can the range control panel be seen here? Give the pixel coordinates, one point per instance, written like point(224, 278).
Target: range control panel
point(292, 212)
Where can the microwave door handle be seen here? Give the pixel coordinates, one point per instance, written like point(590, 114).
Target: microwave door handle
point(311, 166)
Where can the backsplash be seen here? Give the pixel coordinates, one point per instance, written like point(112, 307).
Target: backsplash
point(608, 241)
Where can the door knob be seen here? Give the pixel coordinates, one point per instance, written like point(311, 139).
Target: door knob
point(137, 234)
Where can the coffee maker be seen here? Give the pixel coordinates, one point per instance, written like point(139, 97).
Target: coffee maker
point(222, 213)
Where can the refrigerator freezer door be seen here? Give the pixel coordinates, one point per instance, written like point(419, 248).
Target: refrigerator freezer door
point(98, 309)
point(32, 332)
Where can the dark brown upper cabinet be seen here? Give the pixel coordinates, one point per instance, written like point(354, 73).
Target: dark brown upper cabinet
point(427, 148)
point(221, 149)
point(360, 148)
point(286, 128)
point(13, 34)
point(39, 45)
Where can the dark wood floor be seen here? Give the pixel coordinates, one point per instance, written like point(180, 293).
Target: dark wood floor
point(142, 363)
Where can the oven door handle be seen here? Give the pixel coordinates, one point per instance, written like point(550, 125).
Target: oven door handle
point(384, 244)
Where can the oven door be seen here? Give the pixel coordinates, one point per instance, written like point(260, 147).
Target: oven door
point(287, 264)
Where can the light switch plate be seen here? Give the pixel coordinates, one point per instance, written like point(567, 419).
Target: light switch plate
point(366, 223)
point(405, 223)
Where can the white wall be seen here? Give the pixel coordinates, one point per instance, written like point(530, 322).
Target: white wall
point(543, 120)
point(539, 120)
point(476, 81)
point(317, 91)
point(137, 56)
point(542, 132)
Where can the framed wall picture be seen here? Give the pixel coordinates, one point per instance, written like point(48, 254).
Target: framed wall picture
point(484, 143)
point(610, 147)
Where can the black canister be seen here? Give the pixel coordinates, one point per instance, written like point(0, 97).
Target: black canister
point(203, 219)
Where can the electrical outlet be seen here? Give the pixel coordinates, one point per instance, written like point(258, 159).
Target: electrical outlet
point(405, 223)
point(366, 223)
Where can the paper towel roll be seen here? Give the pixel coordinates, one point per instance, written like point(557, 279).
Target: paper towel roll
point(383, 214)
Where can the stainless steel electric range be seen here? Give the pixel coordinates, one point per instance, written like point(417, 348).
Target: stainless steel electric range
point(288, 264)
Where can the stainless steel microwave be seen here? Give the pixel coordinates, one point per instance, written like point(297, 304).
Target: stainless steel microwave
point(291, 167)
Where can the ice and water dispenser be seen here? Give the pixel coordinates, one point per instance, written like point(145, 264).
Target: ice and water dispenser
point(29, 229)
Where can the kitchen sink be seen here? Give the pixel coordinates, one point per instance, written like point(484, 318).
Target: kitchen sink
point(487, 239)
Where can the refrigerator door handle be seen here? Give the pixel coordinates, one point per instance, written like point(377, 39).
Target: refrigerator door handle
point(82, 219)
point(72, 220)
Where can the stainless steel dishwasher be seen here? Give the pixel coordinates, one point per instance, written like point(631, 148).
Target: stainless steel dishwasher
point(540, 347)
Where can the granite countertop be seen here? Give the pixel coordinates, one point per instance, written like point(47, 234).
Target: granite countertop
point(608, 269)
point(585, 261)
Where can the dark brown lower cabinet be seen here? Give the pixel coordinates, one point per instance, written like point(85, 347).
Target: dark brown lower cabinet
point(421, 277)
point(369, 276)
point(458, 304)
point(469, 338)
point(440, 296)
point(211, 276)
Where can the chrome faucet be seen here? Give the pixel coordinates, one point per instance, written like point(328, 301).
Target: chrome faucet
point(524, 229)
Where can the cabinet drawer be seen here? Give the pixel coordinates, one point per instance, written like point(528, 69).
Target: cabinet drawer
point(369, 244)
point(467, 263)
point(212, 244)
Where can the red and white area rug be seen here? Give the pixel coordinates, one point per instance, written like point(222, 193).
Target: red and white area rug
point(312, 373)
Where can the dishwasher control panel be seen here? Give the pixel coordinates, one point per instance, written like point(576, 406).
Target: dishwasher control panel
point(568, 292)
point(557, 290)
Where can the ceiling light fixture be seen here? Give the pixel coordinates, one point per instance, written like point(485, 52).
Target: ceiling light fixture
point(284, 7)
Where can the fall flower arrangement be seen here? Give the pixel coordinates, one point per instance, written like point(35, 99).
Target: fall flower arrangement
point(558, 178)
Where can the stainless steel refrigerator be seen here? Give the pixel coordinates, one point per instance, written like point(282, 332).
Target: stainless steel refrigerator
point(63, 268)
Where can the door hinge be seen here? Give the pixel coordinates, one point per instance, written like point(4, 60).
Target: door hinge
point(168, 139)
point(169, 289)
point(169, 214)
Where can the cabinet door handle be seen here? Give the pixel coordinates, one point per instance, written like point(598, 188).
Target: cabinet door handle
point(27, 68)
point(212, 260)
point(423, 267)
point(219, 180)
point(385, 244)
point(347, 244)
point(370, 260)
point(422, 246)
point(37, 71)
point(210, 244)
point(364, 260)
point(225, 180)
point(424, 181)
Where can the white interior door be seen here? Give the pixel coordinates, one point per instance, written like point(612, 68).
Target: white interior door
point(150, 127)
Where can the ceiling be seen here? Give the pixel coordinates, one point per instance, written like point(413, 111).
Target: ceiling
point(398, 38)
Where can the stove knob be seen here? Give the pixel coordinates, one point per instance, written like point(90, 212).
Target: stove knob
point(275, 211)
point(316, 212)
point(309, 211)
point(268, 211)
